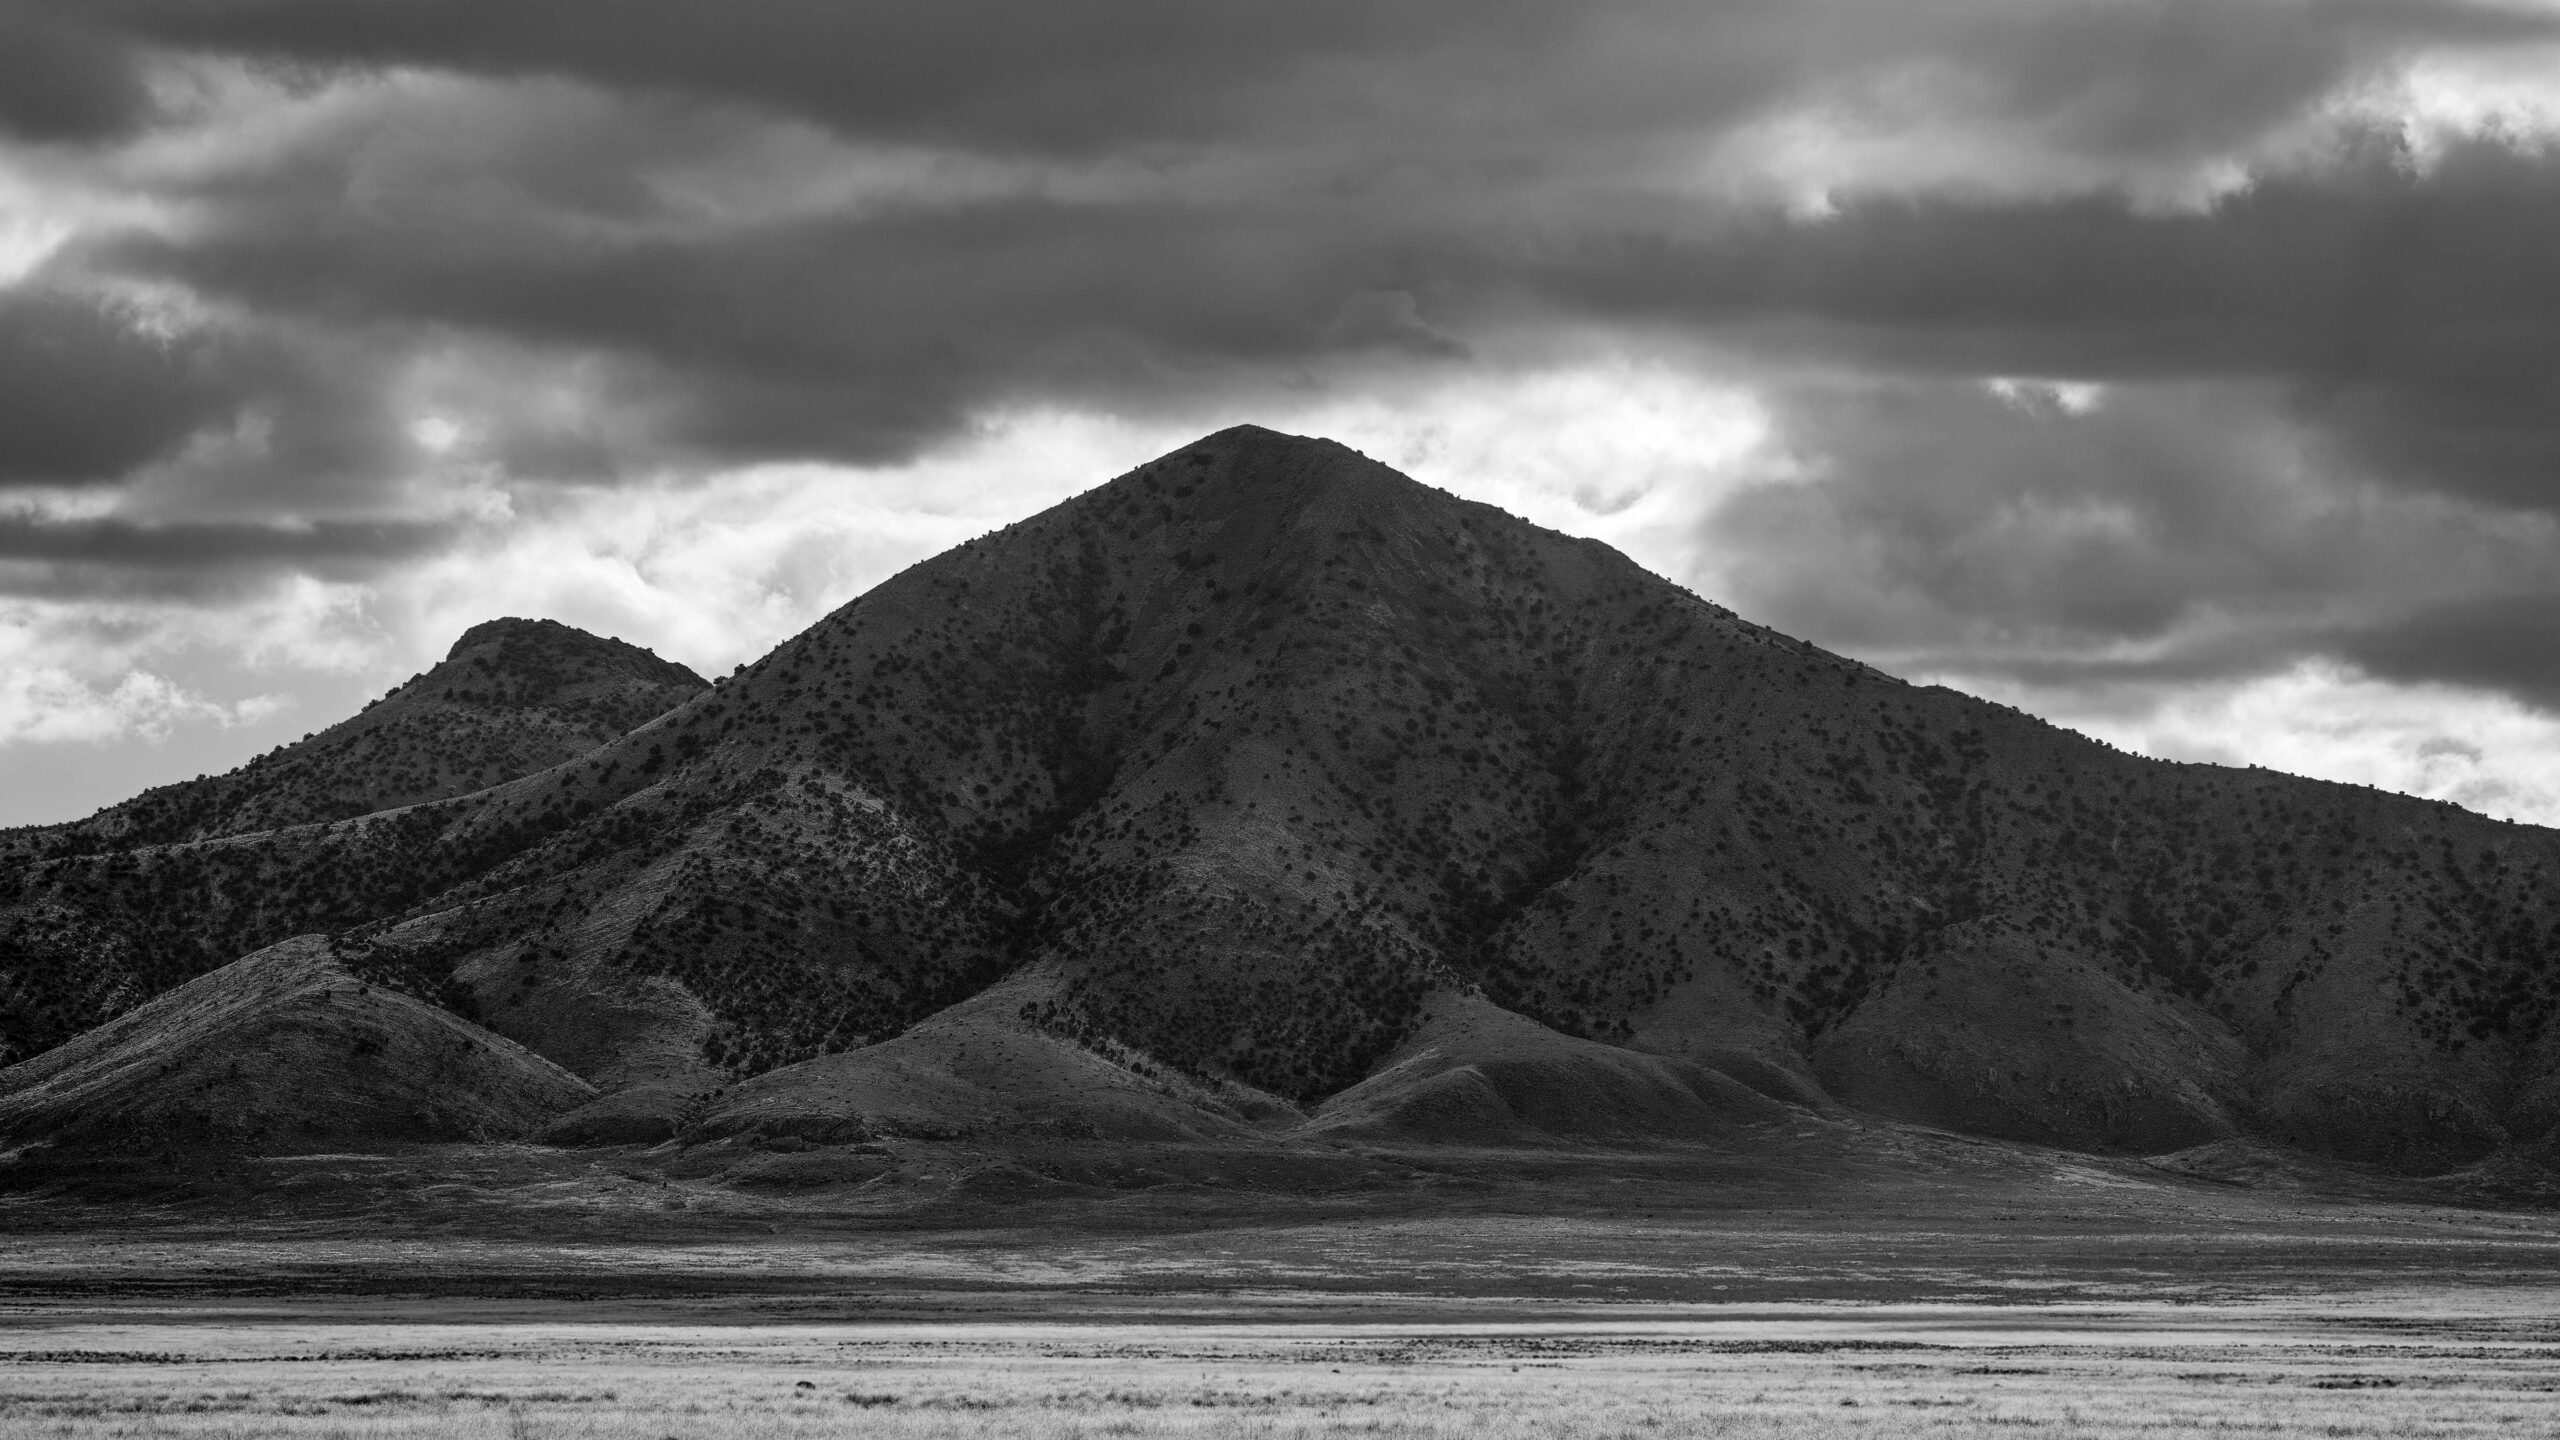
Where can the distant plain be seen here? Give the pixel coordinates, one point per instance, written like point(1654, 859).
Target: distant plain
point(2031, 1292)
point(2448, 1363)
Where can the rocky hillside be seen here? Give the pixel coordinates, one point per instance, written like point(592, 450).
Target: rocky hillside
point(514, 697)
point(282, 1050)
point(1267, 775)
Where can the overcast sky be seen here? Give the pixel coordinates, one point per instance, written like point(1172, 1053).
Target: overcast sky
point(2185, 371)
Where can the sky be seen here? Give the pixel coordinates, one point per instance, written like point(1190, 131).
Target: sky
point(2184, 371)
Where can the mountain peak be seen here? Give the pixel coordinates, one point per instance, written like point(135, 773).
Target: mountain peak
point(1236, 437)
point(1248, 471)
point(513, 696)
point(539, 658)
point(1256, 451)
point(517, 628)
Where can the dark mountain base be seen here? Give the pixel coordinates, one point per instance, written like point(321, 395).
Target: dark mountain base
point(1861, 1175)
point(286, 1051)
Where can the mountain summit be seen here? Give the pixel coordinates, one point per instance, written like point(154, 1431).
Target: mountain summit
point(511, 697)
point(1263, 789)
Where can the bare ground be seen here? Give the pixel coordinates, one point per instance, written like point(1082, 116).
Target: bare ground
point(1944, 1289)
point(2441, 1361)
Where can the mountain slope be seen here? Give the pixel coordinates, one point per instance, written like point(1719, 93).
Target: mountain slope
point(279, 1051)
point(89, 926)
point(511, 697)
point(1253, 752)
point(1472, 1071)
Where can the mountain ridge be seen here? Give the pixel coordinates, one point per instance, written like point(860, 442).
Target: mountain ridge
point(1254, 751)
point(511, 697)
point(544, 692)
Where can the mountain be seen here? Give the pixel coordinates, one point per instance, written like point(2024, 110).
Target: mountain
point(512, 698)
point(1263, 791)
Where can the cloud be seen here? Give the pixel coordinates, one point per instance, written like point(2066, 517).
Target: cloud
point(2400, 297)
point(2414, 312)
point(61, 81)
point(1392, 320)
point(1026, 75)
point(2150, 533)
point(850, 272)
point(706, 319)
point(49, 705)
point(2477, 749)
point(104, 697)
point(94, 557)
point(2508, 641)
point(2186, 77)
point(88, 393)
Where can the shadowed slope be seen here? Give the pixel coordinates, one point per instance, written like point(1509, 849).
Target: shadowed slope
point(281, 1051)
point(1473, 1072)
point(976, 1070)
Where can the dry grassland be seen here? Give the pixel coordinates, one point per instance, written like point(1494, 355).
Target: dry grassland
point(2411, 1365)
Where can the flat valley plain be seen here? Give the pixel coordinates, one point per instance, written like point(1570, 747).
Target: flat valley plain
point(549, 1294)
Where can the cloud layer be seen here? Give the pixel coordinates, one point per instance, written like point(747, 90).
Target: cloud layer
point(2113, 357)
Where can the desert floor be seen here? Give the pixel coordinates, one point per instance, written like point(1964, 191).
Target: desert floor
point(2044, 1295)
point(2406, 1362)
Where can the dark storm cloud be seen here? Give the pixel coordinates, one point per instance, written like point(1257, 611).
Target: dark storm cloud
point(62, 81)
point(2187, 77)
point(1939, 512)
point(861, 339)
point(2162, 531)
point(2417, 311)
point(1036, 76)
point(1460, 161)
point(2508, 642)
point(88, 392)
point(94, 391)
point(2160, 75)
point(122, 559)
